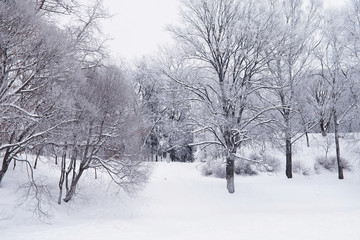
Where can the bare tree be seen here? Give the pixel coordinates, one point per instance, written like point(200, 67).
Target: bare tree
point(33, 61)
point(56, 96)
point(150, 92)
point(352, 28)
point(107, 136)
point(319, 97)
point(56, 6)
point(291, 63)
point(222, 56)
point(336, 71)
point(165, 105)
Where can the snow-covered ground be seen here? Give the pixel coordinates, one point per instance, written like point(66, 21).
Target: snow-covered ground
point(179, 203)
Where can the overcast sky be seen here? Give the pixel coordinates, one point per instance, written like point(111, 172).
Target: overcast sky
point(138, 26)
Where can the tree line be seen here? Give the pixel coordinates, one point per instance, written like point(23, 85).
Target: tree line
point(252, 71)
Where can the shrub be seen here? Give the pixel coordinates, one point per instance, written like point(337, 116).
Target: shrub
point(206, 170)
point(346, 164)
point(325, 163)
point(217, 169)
point(330, 164)
point(271, 164)
point(266, 163)
point(262, 163)
point(299, 168)
point(243, 167)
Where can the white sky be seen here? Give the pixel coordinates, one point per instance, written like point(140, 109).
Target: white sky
point(138, 26)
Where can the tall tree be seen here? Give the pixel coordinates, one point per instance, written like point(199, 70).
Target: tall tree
point(107, 135)
point(222, 44)
point(290, 64)
point(336, 64)
point(33, 64)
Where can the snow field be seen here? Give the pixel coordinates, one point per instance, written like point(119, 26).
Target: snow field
point(180, 203)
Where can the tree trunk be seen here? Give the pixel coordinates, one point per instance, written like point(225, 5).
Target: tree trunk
point(62, 175)
point(288, 147)
point(5, 164)
point(37, 158)
point(73, 185)
point(307, 139)
point(322, 127)
point(3, 170)
point(230, 173)
point(288, 157)
point(337, 144)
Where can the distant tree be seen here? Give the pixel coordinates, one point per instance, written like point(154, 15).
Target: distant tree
point(291, 63)
point(336, 72)
point(319, 97)
point(167, 109)
point(149, 92)
point(180, 135)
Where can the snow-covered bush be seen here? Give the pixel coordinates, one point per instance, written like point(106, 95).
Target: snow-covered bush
point(214, 168)
point(330, 164)
point(300, 168)
point(270, 164)
point(243, 167)
point(220, 171)
point(263, 163)
point(325, 163)
point(206, 169)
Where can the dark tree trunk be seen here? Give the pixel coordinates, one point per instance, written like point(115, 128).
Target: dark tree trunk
point(7, 158)
point(37, 158)
point(3, 170)
point(288, 145)
point(230, 162)
point(307, 139)
point(73, 185)
point(322, 127)
point(337, 144)
point(5, 164)
point(62, 175)
point(288, 157)
point(230, 174)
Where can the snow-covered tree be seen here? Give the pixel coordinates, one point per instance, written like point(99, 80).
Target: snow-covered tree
point(337, 72)
point(34, 63)
point(221, 56)
point(167, 109)
point(107, 135)
point(290, 64)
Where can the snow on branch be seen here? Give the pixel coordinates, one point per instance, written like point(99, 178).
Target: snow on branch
point(32, 115)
